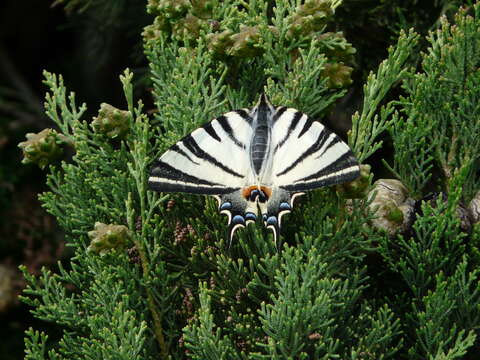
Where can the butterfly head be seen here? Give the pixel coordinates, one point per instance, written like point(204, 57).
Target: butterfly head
point(263, 107)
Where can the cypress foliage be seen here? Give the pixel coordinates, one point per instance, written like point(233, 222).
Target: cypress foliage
point(150, 276)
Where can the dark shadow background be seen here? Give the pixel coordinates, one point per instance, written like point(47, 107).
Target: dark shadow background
point(91, 49)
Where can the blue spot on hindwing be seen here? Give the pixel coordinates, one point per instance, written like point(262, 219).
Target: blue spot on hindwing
point(226, 206)
point(250, 216)
point(272, 220)
point(238, 219)
point(284, 206)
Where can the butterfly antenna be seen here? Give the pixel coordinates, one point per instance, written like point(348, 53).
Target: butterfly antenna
point(263, 99)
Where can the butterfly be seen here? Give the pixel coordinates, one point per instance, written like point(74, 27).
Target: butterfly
point(255, 159)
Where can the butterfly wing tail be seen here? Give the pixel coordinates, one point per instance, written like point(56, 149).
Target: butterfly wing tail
point(239, 210)
point(279, 204)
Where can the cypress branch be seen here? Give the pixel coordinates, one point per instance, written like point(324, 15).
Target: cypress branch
point(342, 287)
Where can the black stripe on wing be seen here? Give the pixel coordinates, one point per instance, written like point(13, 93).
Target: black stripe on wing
point(317, 145)
point(293, 124)
point(344, 169)
point(190, 189)
point(223, 121)
point(166, 178)
point(308, 124)
point(178, 150)
point(211, 131)
point(343, 162)
point(244, 115)
point(279, 112)
point(196, 150)
point(163, 170)
point(335, 140)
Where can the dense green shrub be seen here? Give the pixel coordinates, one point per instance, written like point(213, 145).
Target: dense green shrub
point(344, 285)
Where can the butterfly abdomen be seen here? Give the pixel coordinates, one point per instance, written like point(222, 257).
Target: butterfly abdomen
point(259, 146)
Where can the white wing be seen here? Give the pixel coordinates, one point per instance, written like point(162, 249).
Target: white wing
point(307, 155)
point(210, 160)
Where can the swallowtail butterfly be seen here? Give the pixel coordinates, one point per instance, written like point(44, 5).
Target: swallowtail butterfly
point(255, 159)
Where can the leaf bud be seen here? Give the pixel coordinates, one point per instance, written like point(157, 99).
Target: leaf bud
point(172, 9)
point(335, 46)
point(338, 74)
point(187, 28)
point(218, 43)
point(309, 17)
point(203, 8)
point(42, 148)
point(246, 42)
point(112, 122)
point(105, 237)
point(152, 32)
point(389, 202)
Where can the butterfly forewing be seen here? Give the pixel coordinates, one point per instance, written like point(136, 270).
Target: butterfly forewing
point(308, 155)
point(210, 160)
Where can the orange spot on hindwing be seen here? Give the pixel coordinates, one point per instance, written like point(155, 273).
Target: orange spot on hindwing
point(267, 191)
point(252, 193)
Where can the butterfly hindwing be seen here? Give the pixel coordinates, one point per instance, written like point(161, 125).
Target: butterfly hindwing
point(211, 160)
point(278, 204)
point(239, 209)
